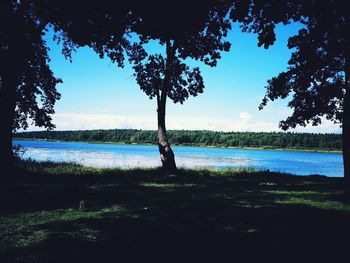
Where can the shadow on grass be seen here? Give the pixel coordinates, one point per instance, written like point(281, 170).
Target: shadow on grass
point(151, 215)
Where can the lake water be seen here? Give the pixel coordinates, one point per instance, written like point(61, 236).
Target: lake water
point(119, 155)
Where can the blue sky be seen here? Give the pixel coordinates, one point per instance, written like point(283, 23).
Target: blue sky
point(96, 94)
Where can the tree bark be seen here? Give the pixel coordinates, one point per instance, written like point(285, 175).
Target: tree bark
point(346, 124)
point(346, 140)
point(7, 112)
point(166, 153)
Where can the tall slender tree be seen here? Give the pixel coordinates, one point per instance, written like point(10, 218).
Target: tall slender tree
point(166, 75)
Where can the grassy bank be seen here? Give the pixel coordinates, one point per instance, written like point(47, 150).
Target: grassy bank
point(197, 145)
point(70, 213)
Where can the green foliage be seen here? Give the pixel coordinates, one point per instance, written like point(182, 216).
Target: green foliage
point(168, 75)
point(271, 140)
point(25, 75)
point(317, 77)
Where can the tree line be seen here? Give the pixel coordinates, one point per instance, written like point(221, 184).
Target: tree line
point(282, 140)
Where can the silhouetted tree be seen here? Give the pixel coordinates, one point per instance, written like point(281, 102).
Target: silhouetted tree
point(27, 85)
point(186, 30)
point(318, 75)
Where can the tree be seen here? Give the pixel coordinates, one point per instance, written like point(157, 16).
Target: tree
point(167, 75)
point(27, 85)
point(100, 25)
point(318, 76)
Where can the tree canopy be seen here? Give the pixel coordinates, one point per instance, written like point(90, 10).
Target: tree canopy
point(165, 74)
point(204, 45)
point(27, 84)
point(317, 78)
point(24, 61)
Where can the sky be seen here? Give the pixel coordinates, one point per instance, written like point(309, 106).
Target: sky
point(96, 94)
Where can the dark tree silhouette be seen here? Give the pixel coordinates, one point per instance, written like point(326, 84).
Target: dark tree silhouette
point(166, 75)
point(27, 85)
point(99, 25)
point(318, 76)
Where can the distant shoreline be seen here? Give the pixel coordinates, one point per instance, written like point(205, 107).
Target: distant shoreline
point(192, 145)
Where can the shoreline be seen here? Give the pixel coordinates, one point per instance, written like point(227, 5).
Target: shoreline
point(193, 145)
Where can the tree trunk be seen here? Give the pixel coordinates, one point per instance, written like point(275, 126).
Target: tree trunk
point(346, 124)
point(166, 153)
point(346, 142)
point(7, 112)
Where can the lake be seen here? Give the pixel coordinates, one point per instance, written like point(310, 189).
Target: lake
point(128, 156)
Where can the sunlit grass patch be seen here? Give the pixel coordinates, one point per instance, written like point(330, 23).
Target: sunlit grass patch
point(44, 217)
point(27, 229)
point(324, 204)
point(160, 185)
point(317, 199)
point(75, 169)
point(212, 172)
point(57, 168)
point(72, 168)
point(227, 171)
point(301, 193)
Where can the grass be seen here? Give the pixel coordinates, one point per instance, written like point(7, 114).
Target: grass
point(149, 215)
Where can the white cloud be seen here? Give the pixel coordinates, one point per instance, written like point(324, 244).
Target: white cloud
point(79, 121)
point(245, 117)
point(326, 127)
point(243, 122)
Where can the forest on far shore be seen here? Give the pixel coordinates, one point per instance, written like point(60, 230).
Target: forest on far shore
point(274, 140)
